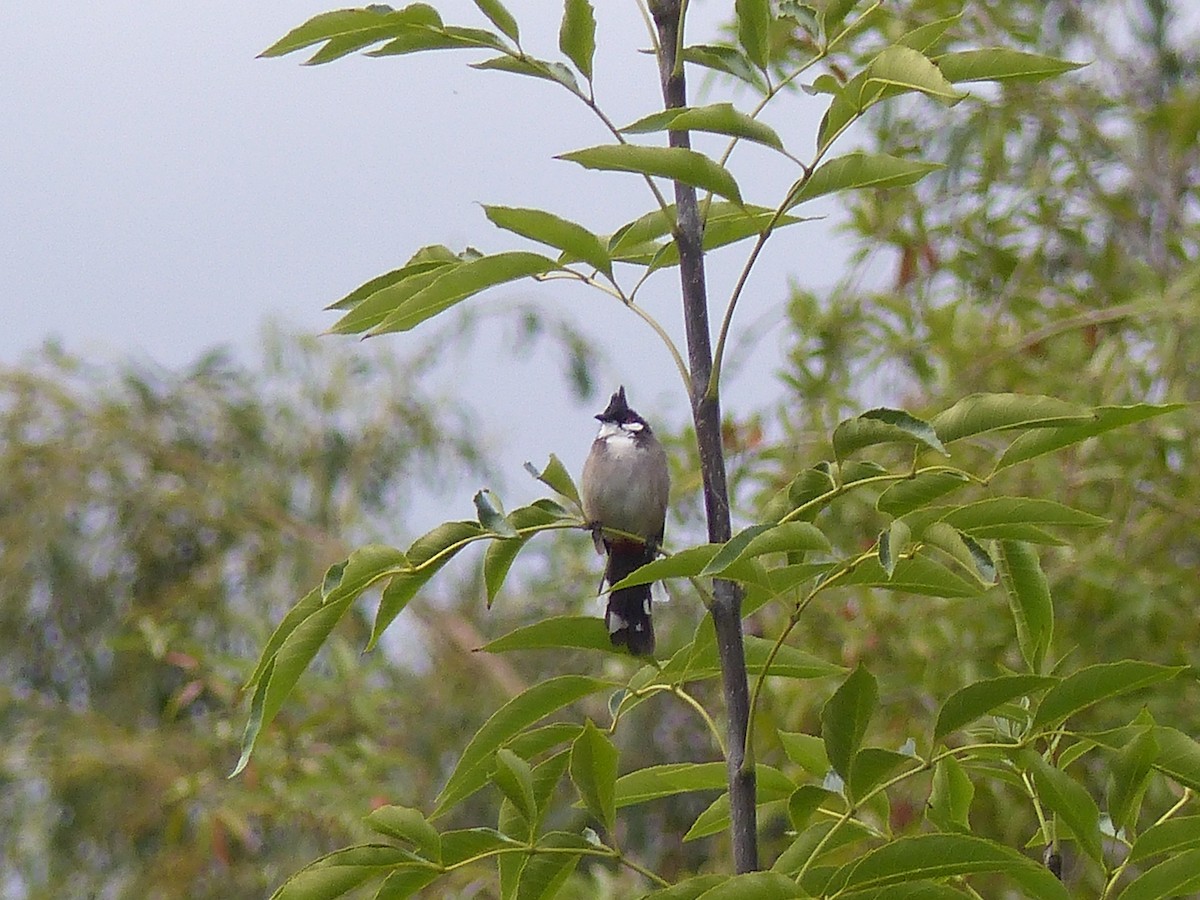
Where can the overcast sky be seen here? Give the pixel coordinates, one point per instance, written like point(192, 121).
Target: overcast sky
point(162, 191)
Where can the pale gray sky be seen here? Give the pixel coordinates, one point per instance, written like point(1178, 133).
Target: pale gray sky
point(162, 191)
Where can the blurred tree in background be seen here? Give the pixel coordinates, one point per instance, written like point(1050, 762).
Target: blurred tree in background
point(153, 525)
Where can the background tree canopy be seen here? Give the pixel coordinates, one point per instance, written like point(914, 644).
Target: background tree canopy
point(153, 525)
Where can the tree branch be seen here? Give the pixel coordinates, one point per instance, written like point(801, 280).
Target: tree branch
point(726, 608)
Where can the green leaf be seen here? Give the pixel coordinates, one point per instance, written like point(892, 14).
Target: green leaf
point(1034, 444)
point(1173, 877)
point(305, 607)
point(577, 35)
point(594, 771)
point(883, 426)
point(805, 801)
point(819, 842)
point(403, 883)
point(999, 511)
point(554, 231)
point(1060, 793)
point(982, 413)
point(870, 767)
point(1130, 774)
point(1029, 600)
point(1099, 682)
point(951, 796)
point(557, 478)
point(845, 716)
point(971, 556)
point(773, 786)
point(558, 632)
point(546, 872)
point(859, 170)
point(1170, 836)
point(724, 229)
point(424, 260)
point(500, 17)
point(449, 37)
point(500, 554)
point(690, 563)
point(535, 68)
point(788, 662)
point(915, 575)
point(718, 118)
point(893, 541)
point(343, 23)
point(728, 60)
point(409, 825)
point(515, 779)
point(689, 888)
point(342, 871)
point(931, 856)
point(518, 714)
point(668, 779)
point(491, 515)
point(468, 843)
point(426, 556)
point(906, 69)
point(676, 163)
point(461, 282)
point(373, 309)
point(754, 29)
point(752, 886)
point(1001, 64)
point(806, 750)
point(308, 626)
point(919, 490)
point(967, 704)
point(924, 37)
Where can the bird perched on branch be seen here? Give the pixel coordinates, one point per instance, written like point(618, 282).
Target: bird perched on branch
point(624, 491)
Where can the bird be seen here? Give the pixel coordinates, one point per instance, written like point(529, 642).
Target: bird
point(624, 489)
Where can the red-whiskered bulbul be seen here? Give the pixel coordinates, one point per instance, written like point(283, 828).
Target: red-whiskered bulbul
point(625, 486)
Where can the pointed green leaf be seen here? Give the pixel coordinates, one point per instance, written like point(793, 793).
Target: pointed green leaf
point(859, 170)
point(754, 29)
point(340, 872)
point(554, 231)
point(514, 777)
point(924, 37)
point(407, 824)
point(997, 511)
point(404, 883)
point(893, 541)
point(556, 477)
point(577, 35)
point(806, 750)
point(773, 786)
point(790, 537)
point(500, 554)
point(676, 163)
point(1129, 777)
point(415, 266)
point(750, 886)
point(805, 801)
point(460, 283)
point(426, 556)
point(305, 607)
point(468, 843)
point(1074, 806)
point(349, 22)
point(687, 563)
point(919, 491)
point(883, 426)
point(907, 69)
point(931, 856)
point(1099, 682)
point(448, 37)
point(950, 797)
point(788, 662)
point(372, 309)
point(1029, 600)
point(1001, 64)
point(558, 632)
point(914, 575)
point(718, 118)
point(845, 716)
point(728, 60)
point(1174, 877)
point(518, 714)
point(689, 888)
point(962, 548)
point(983, 413)
point(1170, 836)
point(871, 766)
point(665, 780)
point(546, 872)
point(1035, 443)
point(967, 704)
point(491, 514)
point(537, 68)
point(594, 772)
point(500, 17)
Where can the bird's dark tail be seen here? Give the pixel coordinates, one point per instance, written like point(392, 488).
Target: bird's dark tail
point(628, 615)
